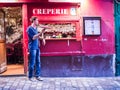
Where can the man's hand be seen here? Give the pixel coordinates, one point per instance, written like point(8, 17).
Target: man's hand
point(43, 30)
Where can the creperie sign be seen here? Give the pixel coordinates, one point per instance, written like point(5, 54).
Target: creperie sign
point(50, 11)
point(54, 11)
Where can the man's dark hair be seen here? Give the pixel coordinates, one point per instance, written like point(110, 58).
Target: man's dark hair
point(33, 18)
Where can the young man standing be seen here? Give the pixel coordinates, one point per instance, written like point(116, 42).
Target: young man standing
point(34, 50)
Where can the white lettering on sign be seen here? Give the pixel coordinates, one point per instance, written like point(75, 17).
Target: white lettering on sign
point(50, 11)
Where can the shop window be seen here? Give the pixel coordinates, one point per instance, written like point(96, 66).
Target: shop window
point(13, 24)
point(59, 30)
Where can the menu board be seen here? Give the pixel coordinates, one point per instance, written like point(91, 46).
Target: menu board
point(92, 25)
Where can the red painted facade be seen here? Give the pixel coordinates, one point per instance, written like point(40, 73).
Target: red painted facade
point(90, 45)
point(105, 43)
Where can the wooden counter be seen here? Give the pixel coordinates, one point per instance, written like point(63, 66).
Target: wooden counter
point(60, 39)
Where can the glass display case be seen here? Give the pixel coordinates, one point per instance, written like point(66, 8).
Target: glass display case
point(63, 30)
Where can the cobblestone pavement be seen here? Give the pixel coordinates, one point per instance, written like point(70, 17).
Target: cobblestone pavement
point(60, 83)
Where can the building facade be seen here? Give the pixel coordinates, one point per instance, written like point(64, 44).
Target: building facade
point(81, 41)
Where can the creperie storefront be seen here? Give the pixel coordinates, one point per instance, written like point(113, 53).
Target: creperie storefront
point(77, 42)
point(63, 40)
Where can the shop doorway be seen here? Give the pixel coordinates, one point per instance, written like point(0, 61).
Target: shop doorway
point(13, 40)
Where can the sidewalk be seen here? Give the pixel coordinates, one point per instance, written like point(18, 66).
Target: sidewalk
point(60, 83)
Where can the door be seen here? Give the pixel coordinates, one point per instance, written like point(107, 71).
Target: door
point(3, 65)
point(117, 34)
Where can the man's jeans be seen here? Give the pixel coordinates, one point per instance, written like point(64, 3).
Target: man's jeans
point(34, 63)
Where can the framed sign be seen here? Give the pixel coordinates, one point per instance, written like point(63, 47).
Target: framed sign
point(92, 25)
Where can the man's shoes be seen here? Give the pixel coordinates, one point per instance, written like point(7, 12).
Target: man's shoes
point(39, 79)
point(32, 79)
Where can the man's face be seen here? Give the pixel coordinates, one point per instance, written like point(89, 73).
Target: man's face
point(36, 22)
